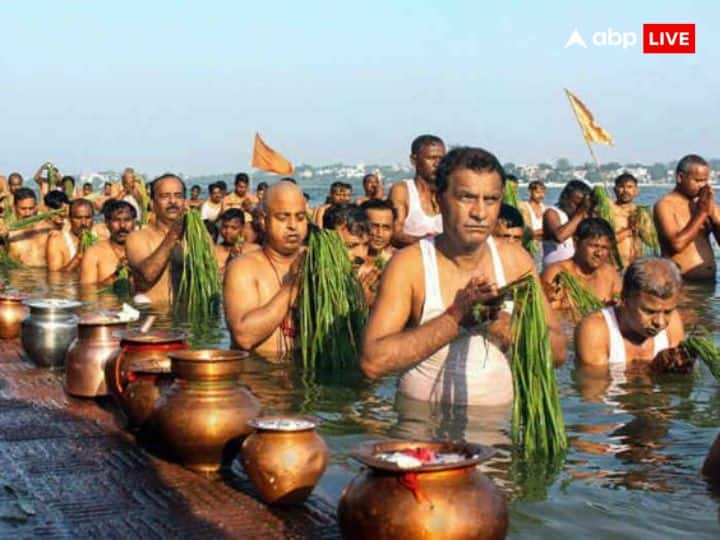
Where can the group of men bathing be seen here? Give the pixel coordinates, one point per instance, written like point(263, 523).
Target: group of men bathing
point(447, 248)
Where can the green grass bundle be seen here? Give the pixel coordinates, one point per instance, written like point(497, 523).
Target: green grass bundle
point(646, 230)
point(7, 262)
point(19, 224)
point(332, 310)
point(702, 345)
point(510, 195)
point(52, 175)
point(603, 207)
point(581, 299)
point(87, 239)
point(200, 290)
point(121, 286)
point(537, 418)
point(381, 262)
point(528, 241)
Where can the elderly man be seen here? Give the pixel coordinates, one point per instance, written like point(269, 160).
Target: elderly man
point(685, 218)
point(644, 324)
point(155, 252)
point(415, 200)
point(560, 222)
point(590, 264)
point(102, 260)
point(63, 250)
point(261, 286)
point(27, 245)
point(422, 324)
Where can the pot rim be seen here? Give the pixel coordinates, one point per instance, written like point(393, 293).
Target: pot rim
point(14, 297)
point(52, 304)
point(102, 323)
point(365, 454)
point(190, 355)
point(152, 337)
point(312, 423)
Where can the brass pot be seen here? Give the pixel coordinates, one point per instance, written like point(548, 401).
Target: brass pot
point(203, 417)
point(284, 463)
point(86, 358)
point(442, 501)
point(12, 312)
point(139, 370)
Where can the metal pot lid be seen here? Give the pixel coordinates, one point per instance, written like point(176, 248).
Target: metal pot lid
point(52, 304)
point(471, 454)
point(283, 423)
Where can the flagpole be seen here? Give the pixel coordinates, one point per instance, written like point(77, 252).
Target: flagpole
point(582, 132)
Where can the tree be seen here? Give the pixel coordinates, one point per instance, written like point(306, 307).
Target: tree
point(563, 164)
point(611, 166)
point(658, 171)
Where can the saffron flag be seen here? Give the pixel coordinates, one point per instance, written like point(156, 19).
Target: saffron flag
point(269, 160)
point(591, 130)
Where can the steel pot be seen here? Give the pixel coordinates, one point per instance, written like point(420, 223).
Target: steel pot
point(46, 333)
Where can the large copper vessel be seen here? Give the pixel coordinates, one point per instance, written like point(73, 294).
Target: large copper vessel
point(12, 312)
point(86, 358)
point(284, 458)
point(441, 501)
point(139, 370)
point(203, 417)
point(46, 333)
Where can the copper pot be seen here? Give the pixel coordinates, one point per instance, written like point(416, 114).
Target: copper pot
point(86, 358)
point(203, 417)
point(139, 370)
point(442, 501)
point(12, 312)
point(284, 458)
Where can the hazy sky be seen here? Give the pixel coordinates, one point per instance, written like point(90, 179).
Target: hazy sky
point(182, 86)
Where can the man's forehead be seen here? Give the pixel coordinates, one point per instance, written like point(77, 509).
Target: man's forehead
point(167, 185)
point(476, 180)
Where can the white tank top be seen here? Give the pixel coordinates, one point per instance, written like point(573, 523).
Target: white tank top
point(71, 245)
point(470, 370)
point(536, 223)
point(417, 222)
point(617, 344)
point(553, 251)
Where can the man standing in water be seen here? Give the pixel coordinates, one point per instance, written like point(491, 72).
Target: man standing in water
point(624, 220)
point(415, 200)
point(104, 197)
point(381, 217)
point(339, 194)
point(534, 208)
point(210, 209)
point(63, 246)
point(261, 287)
point(686, 216)
point(241, 193)
point(27, 245)
point(645, 323)
point(560, 222)
point(154, 251)
point(441, 352)
point(372, 186)
point(102, 260)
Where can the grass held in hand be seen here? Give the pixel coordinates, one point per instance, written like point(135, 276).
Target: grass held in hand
point(700, 344)
point(537, 418)
point(510, 195)
point(582, 300)
point(87, 239)
point(199, 293)
point(603, 207)
point(646, 230)
point(331, 305)
point(32, 220)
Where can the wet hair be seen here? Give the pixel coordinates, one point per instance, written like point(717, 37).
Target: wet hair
point(195, 186)
point(466, 157)
point(242, 177)
point(574, 186)
point(211, 187)
point(594, 227)
point(345, 185)
point(66, 179)
point(113, 206)
point(686, 163)
point(15, 175)
point(262, 186)
point(424, 140)
point(370, 175)
point(625, 177)
point(536, 184)
point(306, 195)
point(165, 177)
point(336, 186)
point(656, 276)
point(510, 216)
point(24, 193)
point(221, 184)
point(55, 199)
point(232, 213)
point(87, 184)
point(353, 217)
point(212, 230)
point(82, 202)
point(378, 204)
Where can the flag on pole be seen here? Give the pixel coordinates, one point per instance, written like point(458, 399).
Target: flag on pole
point(592, 132)
point(269, 160)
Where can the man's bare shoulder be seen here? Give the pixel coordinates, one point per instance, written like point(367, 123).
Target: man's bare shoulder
point(671, 200)
point(98, 249)
point(553, 269)
point(516, 260)
point(592, 325)
point(406, 259)
point(398, 189)
point(248, 263)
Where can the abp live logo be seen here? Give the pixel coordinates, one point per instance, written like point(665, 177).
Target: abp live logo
point(669, 38)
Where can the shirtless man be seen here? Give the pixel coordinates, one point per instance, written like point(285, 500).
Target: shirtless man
point(261, 286)
point(27, 245)
point(645, 323)
point(233, 244)
point(534, 208)
point(105, 196)
point(210, 209)
point(443, 355)
point(381, 217)
point(373, 188)
point(686, 216)
point(415, 200)
point(623, 213)
point(590, 264)
point(63, 250)
point(242, 192)
point(155, 252)
point(338, 195)
point(560, 222)
point(102, 260)
point(15, 182)
point(195, 201)
point(130, 192)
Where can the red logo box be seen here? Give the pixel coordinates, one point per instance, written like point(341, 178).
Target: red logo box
point(668, 38)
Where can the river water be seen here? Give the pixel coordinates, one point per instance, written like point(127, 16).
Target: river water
point(636, 445)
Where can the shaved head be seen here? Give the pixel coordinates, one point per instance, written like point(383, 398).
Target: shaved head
point(285, 217)
point(282, 192)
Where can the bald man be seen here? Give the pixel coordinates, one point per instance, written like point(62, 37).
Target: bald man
point(155, 252)
point(261, 287)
